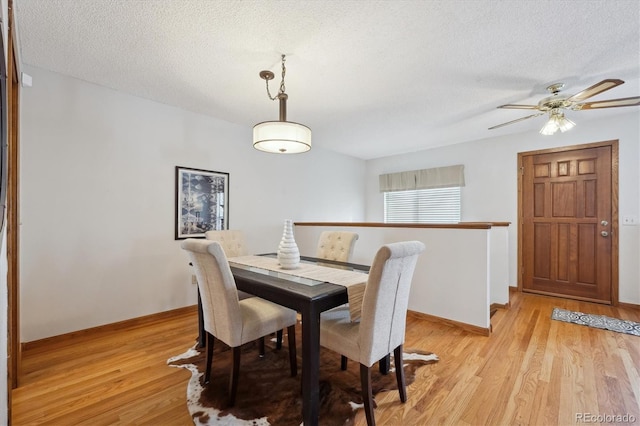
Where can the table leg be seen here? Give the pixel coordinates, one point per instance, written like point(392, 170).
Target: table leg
point(310, 366)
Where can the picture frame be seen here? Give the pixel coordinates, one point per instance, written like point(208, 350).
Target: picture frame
point(202, 202)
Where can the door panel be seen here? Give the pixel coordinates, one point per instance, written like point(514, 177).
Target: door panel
point(566, 223)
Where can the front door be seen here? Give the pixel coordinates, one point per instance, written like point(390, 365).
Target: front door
point(567, 222)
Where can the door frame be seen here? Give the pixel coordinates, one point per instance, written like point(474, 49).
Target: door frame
point(14, 358)
point(614, 208)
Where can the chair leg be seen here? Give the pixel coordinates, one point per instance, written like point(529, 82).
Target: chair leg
point(343, 362)
point(279, 339)
point(235, 372)
point(209, 343)
point(261, 347)
point(402, 387)
point(293, 360)
point(202, 334)
point(367, 394)
point(384, 364)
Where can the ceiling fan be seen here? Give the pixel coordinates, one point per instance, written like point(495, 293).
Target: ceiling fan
point(556, 103)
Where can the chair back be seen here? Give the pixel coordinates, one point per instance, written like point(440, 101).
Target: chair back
point(217, 288)
point(336, 245)
point(232, 241)
point(385, 300)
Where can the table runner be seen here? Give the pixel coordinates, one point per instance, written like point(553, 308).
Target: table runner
point(354, 281)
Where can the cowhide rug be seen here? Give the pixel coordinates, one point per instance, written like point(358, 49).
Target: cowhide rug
point(268, 395)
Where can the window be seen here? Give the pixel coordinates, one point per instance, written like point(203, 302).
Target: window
point(435, 205)
point(423, 196)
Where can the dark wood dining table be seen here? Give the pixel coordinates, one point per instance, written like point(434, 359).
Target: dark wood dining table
point(309, 298)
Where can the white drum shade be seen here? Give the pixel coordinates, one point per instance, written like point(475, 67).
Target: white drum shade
point(281, 137)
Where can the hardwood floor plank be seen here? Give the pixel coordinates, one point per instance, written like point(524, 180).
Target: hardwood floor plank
point(455, 402)
point(551, 412)
point(530, 371)
point(632, 392)
point(522, 398)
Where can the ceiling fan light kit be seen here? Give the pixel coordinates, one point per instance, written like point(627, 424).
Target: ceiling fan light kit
point(554, 104)
point(282, 136)
point(557, 121)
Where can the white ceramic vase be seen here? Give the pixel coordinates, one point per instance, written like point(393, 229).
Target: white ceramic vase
point(288, 253)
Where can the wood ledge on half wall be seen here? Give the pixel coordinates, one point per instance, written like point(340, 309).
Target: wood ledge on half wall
point(459, 225)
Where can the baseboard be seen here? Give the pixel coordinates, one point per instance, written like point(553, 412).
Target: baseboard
point(466, 327)
point(499, 306)
point(116, 326)
point(629, 305)
point(620, 304)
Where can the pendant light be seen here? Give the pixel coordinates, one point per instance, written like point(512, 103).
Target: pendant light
point(282, 136)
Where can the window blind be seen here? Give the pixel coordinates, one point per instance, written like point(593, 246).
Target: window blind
point(436, 205)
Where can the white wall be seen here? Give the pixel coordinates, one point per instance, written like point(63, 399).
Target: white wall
point(440, 287)
point(98, 194)
point(491, 179)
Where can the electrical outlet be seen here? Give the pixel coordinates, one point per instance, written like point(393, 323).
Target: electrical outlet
point(194, 280)
point(629, 220)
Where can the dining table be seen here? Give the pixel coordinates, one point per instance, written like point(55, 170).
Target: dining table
point(259, 275)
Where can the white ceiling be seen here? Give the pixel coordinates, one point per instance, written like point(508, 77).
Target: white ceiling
point(371, 78)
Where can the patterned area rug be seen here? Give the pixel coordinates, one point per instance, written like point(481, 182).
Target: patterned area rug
point(597, 321)
point(268, 395)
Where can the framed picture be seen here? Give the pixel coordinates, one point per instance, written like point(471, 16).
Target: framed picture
point(202, 202)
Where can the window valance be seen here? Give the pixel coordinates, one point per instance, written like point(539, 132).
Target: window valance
point(438, 177)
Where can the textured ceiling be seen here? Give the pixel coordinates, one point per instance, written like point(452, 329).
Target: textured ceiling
point(371, 78)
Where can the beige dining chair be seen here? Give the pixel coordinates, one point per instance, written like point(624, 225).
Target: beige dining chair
point(381, 328)
point(233, 321)
point(233, 241)
point(234, 244)
point(336, 245)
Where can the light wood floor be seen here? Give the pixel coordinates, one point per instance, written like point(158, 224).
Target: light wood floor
point(530, 371)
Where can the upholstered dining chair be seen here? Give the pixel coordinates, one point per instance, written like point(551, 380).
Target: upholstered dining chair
point(233, 321)
point(233, 241)
point(234, 244)
point(381, 328)
point(336, 245)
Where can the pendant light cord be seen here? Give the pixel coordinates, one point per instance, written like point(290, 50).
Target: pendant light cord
point(282, 88)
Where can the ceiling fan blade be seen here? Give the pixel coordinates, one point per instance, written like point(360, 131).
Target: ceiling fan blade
point(515, 121)
point(515, 106)
point(611, 103)
point(597, 88)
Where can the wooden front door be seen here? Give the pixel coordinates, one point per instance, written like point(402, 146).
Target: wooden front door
point(567, 222)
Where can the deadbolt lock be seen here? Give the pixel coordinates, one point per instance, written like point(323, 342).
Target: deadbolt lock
point(604, 223)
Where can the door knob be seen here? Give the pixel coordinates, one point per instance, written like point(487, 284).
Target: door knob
point(604, 233)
